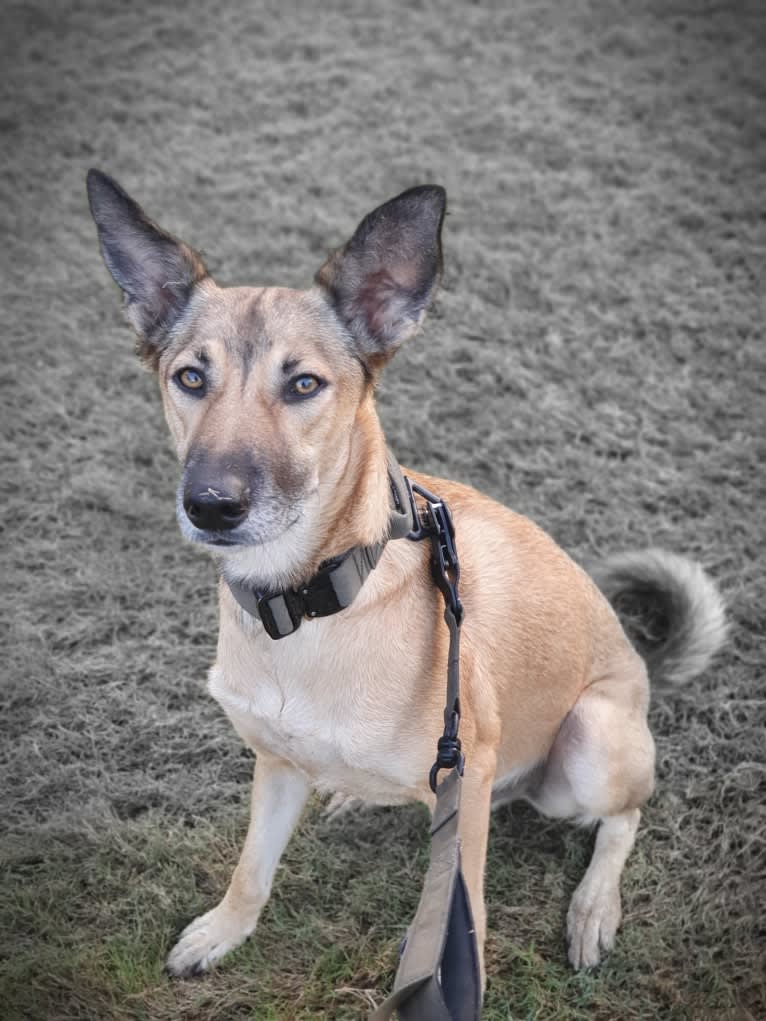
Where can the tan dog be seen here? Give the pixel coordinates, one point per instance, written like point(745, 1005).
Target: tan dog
point(269, 395)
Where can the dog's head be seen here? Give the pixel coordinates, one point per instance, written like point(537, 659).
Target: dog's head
point(267, 389)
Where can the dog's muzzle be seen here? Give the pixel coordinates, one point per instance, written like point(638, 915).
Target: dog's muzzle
point(215, 501)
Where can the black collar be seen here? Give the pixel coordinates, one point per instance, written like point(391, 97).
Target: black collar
point(339, 580)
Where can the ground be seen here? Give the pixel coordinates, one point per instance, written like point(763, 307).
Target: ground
point(596, 359)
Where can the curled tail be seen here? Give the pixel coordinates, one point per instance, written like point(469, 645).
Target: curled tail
point(670, 608)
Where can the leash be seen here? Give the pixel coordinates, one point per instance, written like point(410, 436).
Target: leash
point(438, 977)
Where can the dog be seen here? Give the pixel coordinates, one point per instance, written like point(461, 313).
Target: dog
point(269, 394)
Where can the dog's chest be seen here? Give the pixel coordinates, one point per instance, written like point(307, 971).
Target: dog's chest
point(320, 704)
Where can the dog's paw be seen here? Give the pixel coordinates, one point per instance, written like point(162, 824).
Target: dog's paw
point(206, 940)
point(592, 922)
point(340, 804)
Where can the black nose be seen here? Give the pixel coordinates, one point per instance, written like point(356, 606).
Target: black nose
point(215, 508)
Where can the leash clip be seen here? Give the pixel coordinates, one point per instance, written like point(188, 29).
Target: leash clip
point(435, 523)
point(448, 753)
point(444, 564)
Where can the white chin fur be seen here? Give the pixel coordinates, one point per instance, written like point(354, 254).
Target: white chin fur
point(276, 563)
point(274, 560)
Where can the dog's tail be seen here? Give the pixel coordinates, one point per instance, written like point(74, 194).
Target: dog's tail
point(670, 608)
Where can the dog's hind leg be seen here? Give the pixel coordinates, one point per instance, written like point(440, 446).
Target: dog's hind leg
point(601, 767)
point(595, 911)
point(279, 794)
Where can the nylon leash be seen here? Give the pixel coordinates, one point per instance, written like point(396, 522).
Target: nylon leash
point(438, 978)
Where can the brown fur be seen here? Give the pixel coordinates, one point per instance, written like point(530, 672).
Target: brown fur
point(554, 696)
point(538, 634)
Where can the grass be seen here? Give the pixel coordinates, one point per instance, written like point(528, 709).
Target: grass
point(596, 360)
point(327, 942)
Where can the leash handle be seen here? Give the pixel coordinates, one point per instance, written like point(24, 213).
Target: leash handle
point(438, 978)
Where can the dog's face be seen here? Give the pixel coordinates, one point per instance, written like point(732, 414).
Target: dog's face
point(263, 388)
point(261, 394)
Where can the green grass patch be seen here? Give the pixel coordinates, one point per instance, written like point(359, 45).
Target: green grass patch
point(87, 925)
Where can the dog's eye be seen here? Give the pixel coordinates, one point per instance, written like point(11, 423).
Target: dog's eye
point(305, 385)
point(190, 379)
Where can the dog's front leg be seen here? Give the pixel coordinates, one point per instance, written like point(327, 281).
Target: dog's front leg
point(279, 794)
point(473, 832)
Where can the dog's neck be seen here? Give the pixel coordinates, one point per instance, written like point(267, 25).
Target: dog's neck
point(358, 512)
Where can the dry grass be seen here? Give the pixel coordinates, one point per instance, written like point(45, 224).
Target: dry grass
point(596, 360)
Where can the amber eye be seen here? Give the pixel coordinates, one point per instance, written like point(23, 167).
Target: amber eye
point(190, 379)
point(304, 386)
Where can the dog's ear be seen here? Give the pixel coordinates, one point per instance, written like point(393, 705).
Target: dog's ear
point(381, 282)
point(156, 272)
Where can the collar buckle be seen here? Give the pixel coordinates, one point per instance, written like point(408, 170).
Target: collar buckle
point(332, 589)
point(281, 614)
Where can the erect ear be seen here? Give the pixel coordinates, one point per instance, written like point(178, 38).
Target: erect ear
point(156, 272)
point(382, 280)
